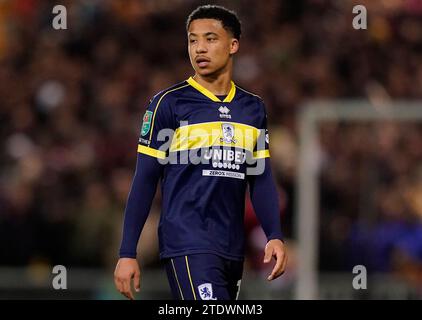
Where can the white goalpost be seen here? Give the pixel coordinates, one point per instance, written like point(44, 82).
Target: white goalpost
point(307, 202)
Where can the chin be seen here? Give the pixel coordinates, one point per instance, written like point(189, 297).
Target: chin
point(205, 72)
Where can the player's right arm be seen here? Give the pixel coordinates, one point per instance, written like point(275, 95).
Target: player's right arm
point(144, 184)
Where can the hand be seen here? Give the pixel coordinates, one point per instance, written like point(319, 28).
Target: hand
point(275, 248)
point(126, 270)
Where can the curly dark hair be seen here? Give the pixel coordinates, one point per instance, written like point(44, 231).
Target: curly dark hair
point(228, 18)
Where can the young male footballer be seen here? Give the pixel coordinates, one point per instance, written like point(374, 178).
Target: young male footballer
point(218, 140)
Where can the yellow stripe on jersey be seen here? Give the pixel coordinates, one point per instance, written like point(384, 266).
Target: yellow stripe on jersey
point(151, 152)
point(209, 134)
point(211, 95)
point(255, 95)
point(177, 280)
point(261, 154)
point(190, 278)
point(158, 104)
point(231, 93)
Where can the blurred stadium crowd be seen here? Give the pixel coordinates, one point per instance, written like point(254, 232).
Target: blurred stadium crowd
point(71, 103)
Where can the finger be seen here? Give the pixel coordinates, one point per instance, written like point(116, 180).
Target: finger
point(276, 267)
point(268, 253)
point(283, 266)
point(137, 281)
point(120, 288)
point(119, 285)
point(126, 289)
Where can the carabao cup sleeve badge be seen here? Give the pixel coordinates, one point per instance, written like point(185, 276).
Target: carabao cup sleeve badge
point(146, 122)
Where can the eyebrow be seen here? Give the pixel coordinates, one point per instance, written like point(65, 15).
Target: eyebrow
point(205, 34)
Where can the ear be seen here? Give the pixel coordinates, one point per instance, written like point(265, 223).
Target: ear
point(234, 46)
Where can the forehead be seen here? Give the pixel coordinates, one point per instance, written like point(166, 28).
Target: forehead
point(203, 26)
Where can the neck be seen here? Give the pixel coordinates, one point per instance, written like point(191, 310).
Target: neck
point(218, 84)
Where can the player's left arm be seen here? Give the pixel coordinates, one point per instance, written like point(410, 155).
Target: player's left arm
point(265, 200)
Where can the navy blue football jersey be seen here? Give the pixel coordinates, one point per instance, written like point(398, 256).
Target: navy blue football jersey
point(207, 147)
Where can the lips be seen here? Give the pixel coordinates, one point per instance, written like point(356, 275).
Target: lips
point(202, 62)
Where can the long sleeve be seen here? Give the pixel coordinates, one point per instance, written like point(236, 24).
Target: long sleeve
point(262, 188)
point(265, 200)
point(158, 116)
point(144, 185)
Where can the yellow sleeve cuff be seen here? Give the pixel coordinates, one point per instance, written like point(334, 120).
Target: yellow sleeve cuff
point(261, 154)
point(151, 152)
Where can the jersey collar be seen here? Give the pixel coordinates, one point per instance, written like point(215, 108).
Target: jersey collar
point(211, 95)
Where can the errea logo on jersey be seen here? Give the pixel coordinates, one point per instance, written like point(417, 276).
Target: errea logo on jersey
point(224, 112)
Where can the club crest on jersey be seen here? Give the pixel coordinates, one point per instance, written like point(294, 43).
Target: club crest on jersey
point(228, 133)
point(224, 112)
point(146, 122)
point(205, 291)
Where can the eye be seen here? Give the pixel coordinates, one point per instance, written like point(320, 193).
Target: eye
point(211, 39)
point(192, 41)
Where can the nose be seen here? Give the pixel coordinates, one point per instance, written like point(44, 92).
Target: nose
point(201, 47)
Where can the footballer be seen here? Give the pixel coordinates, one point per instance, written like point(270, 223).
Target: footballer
point(205, 167)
